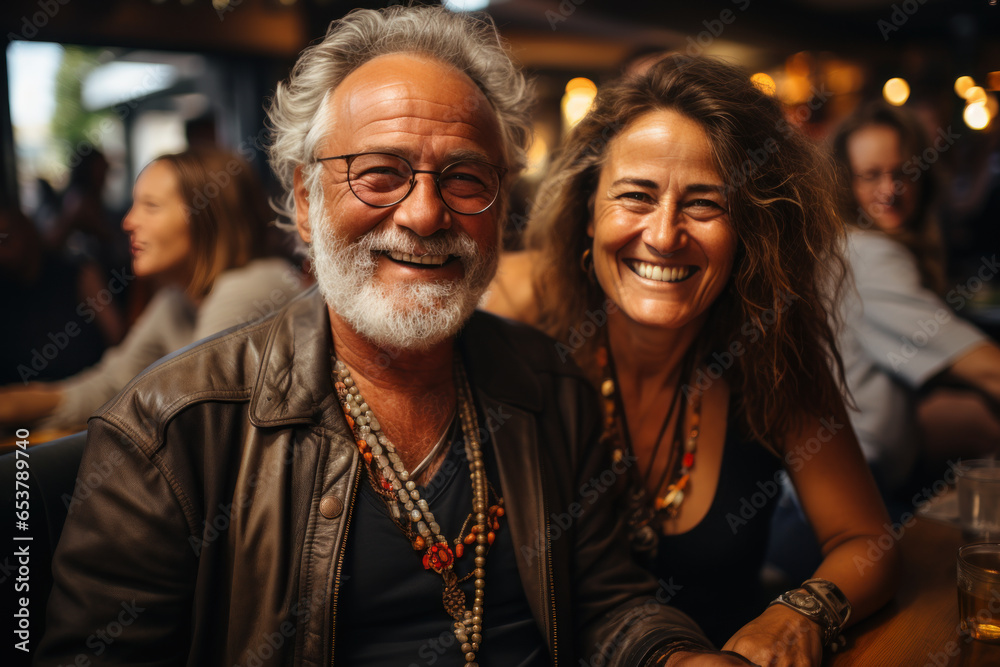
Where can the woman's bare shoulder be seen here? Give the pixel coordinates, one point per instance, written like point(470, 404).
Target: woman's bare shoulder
point(512, 293)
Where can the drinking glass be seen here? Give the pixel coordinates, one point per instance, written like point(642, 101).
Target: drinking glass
point(979, 590)
point(979, 499)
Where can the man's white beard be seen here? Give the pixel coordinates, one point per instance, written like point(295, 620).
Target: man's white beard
point(407, 315)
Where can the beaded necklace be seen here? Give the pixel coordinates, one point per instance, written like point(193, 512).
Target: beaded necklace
point(670, 490)
point(391, 480)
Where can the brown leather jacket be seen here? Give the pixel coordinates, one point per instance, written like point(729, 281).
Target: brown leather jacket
point(216, 493)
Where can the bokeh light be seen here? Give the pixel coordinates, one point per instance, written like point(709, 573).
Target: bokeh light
point(976, 115)
point(764, 82)
point(580, 93)
point(962, 85)
point(975, 94)
point(896, 91)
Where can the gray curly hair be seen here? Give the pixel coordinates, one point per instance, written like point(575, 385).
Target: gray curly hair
point(469, 43)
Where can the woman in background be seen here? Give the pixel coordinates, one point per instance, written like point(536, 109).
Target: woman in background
point(196, 227)
point(682, 249)
point(899, 336)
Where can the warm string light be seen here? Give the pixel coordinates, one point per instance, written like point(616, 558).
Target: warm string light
point(896, 91)
point(580, 94)
point(980, 107)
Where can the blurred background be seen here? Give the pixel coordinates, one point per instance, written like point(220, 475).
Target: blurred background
point(131, 79)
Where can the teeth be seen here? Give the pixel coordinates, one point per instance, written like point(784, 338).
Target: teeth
point(436, 260)
point(664, 274)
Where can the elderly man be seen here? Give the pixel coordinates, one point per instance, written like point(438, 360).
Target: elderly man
point(295, 492)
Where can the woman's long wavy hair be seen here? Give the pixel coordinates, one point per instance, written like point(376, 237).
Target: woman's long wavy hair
point(922, 235)
point(788, 264)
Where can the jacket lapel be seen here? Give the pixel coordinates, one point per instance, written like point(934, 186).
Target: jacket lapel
point(509, 396)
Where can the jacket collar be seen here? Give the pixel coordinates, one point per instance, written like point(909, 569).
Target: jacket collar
point(293, 383)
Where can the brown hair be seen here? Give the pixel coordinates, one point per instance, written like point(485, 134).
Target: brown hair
point(787, 263)
point(227, 212)
point(921, 236)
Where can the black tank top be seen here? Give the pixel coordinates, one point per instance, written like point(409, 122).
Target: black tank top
point(714, 567)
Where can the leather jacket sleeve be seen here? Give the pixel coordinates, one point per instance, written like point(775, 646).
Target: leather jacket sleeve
point(129, 601)
point(623, 616)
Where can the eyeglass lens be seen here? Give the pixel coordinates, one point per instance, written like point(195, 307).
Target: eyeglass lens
point(380, 179)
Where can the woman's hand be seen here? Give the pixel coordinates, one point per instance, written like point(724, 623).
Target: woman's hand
point(780, 637)
point(707, 659)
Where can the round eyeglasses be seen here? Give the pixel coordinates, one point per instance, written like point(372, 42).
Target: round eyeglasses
point(467, 187)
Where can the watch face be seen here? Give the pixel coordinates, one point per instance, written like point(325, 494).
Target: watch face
point(804, 601)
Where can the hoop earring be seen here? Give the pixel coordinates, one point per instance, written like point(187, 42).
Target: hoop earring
point(587, 266)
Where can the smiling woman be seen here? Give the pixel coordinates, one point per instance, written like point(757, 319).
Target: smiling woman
point(709, 244)
point(662, 242)
point(158, 226)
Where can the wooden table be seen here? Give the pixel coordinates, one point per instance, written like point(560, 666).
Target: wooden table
point(919, 628)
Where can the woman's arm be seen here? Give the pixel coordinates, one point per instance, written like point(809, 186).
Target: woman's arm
point(843, 505)
point(21, 405)
point(841, 501)
point(980, 369)
point(163, 327)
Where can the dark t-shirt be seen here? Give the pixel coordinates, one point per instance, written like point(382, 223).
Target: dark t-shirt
point(390, 611)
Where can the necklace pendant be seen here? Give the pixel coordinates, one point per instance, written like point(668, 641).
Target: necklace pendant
point(439, 557)
point(453, 597)
point(671, 501)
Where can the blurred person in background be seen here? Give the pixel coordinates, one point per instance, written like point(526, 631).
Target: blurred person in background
point(84, 226)
point(926, 382)
point(52, 332)
point(196, 226)
point(681, 251)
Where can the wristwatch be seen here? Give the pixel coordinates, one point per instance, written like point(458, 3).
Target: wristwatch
point(822, 602)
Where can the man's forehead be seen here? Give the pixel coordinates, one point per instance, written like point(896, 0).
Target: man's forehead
point(401, 93)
